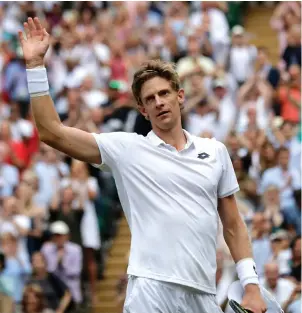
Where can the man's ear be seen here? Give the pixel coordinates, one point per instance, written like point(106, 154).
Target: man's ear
point(142, 110)
point(181, 98)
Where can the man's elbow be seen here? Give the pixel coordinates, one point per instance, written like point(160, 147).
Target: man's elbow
point(50, 136)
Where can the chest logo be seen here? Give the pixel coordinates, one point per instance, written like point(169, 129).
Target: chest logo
point(203, 156)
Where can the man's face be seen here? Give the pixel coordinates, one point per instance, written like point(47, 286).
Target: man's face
point(161, 103)
point(60, 240)
point(283, 158)
point(272, 275)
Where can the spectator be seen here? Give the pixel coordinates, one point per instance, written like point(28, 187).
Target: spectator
point(281, 251)
point(64, 259)
point(292, 53)
point(6, 289)
point(11, 221)
point(290, 95)
point(296, 259)
point(242, 56)
point(87, 190)
point(56, 293)
point(33, 300)
point(264, 68)
point(254, 101)
point(9, 175)
point(260, 241)
point(280, 288)
point(62, 208)
point(285, 178)
point(16, 265)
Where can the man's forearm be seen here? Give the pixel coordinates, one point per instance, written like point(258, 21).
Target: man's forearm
point(238, 241)
point(46, 118)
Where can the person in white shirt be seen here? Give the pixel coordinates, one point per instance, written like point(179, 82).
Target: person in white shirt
point(280, 288)
point(173, 188)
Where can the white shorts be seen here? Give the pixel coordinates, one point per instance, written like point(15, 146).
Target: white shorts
point(153, 296)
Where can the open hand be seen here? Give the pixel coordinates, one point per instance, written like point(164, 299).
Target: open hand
point(36, 43)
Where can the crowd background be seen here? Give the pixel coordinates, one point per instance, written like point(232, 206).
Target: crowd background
point(58, 215)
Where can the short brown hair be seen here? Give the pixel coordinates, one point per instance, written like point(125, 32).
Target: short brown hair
point(151, 69)
point(39, 294)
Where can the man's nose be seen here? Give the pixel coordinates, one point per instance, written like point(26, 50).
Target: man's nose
point(158, 101)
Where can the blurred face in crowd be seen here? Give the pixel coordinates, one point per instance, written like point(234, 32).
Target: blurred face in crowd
point(74, 98)
point(288, 130)
point(10, 207)
point(60, 240)
point(5, 131)
point(97, 115)
point(3, 152)
point(233, 142)
point(79, 170)
point(50, 154)
point(193, 46)
point(272, 195)
point(24, 191)
point(271, 274)
point(238, 40)
point(9, 244)
point(161, 103)
point(220, 92)
point(38, 262)
point(262, 57)
point(283, 158)
point(32, 301)
point(260, 224)
point(250, 188)
point(68, 195)
point(87, 83)
point(268, 151)
point(297, 250)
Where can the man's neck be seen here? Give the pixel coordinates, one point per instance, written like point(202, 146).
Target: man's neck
point(174, 137)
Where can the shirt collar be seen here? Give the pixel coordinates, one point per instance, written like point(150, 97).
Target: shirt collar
point(158, 141)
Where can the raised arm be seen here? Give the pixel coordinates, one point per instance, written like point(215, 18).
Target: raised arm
point(74, 142)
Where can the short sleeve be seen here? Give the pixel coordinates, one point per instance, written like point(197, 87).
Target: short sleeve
point(228, 183)
point(113, 148)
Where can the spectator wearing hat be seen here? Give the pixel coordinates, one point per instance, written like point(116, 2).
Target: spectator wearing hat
point(281, 251)
point(64, 259)
point(242, 56)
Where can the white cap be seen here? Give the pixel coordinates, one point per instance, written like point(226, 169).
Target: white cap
point(238, 30)
point(26, 128)
point(280, 234)
point(59, 228)
point(219, 83)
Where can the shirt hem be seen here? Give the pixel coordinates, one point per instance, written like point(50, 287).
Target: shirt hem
point(179, 281)
point(229, 192)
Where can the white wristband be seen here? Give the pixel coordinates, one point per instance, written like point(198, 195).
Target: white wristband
point(37, 81)
point(246, 270)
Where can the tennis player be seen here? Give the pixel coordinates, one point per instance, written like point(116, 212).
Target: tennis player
point(173, 187)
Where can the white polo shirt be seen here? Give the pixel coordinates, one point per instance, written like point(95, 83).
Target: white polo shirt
point(170, 201)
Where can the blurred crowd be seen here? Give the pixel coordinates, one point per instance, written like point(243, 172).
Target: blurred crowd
point(58, 215)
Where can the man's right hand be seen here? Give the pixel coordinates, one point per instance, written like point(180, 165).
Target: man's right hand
point(36, 43)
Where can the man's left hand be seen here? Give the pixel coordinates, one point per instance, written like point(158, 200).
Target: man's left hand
point(253, 300)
